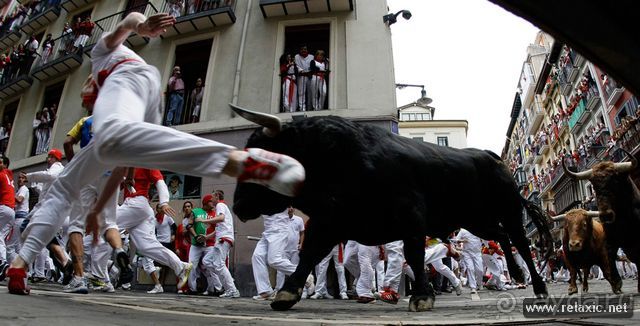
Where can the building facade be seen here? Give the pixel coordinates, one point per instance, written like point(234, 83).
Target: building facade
point(416, 121)
point(565, 108)
point(228, 52)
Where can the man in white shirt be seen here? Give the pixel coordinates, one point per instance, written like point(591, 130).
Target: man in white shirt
point(303, 61)
point(216, 258)
point(294, 243)
point(472, 257)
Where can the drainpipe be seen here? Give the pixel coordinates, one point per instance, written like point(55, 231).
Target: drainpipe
point(236, 84)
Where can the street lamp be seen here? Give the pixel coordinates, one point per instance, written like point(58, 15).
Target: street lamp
point(424, 100)
point(390, 19)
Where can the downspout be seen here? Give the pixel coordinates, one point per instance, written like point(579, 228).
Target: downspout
point(236, 83)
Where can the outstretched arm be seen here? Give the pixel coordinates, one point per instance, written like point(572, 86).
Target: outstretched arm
point(138, 23)
point(93, 218)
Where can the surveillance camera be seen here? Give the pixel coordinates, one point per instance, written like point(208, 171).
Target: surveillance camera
point(406, 14)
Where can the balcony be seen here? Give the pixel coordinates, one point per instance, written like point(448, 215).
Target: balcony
point(593, 98)
point(536, 114)
point(275, 8)
point(612, 91)
point(579, 116)
point(565, 84)
point(72, 5)
point(579, 60)
point(9, 39)
point(201, 17)
point(40, 18)
point(15, 86)
point(544, 149)
point(109, 23)
point(538, 158)
point(61, 60)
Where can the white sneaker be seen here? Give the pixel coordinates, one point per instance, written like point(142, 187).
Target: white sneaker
point(156, 289)
point(230, 294)
point(344, 296)
point(268, 297)
point(126, 286)
point(318, 295)
point(458, 289)
point(77, 285)
point(310, 285)
point(280, 173)
point(106, 287)
point(184, 275)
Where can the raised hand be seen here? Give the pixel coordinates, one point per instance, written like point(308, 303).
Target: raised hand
point(155, 25)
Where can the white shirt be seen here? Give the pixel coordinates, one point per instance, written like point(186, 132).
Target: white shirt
point(24, 205)
point(296, 225)
point(302, 62)
point(104, 59)
point(276, 223)
point(163, 231)
point(45, 178)
point(224, 229)
point(472, 243)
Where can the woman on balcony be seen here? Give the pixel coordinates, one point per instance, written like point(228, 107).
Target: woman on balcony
point(319, 68)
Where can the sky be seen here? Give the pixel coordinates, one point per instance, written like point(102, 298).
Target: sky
point(469, 55)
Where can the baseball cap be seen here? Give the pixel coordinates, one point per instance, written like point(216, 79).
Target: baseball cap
point(55, 153)
point(207, 198)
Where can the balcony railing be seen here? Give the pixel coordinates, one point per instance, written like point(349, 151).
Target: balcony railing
point(9, 38)
point(109, 23)
point(579, 115)
point(72, 5)
point(536, 115)
point(60, 60)
point(15, 86)
point(593, 98)
point(41, 16)
point(199, 15)
point(274, 8)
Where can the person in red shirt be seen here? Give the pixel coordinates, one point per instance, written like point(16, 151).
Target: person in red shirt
point(7, 214)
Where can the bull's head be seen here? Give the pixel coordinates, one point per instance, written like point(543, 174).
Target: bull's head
point(252, 200)
point(608, 179)
point(578, 227)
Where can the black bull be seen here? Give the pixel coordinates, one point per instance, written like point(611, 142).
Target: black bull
point(366, 184)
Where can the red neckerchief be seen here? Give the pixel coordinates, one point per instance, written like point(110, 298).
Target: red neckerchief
point(160, 217)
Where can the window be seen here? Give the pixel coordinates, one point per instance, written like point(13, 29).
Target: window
point(45, 119)
point(443, 141)
point(8, 116)
point(184, 96)
point(418, 139)
point(180, 186)
point(309, 91)
point(628, 109)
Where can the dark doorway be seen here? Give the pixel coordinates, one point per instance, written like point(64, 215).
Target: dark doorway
point(46, 118)
point(8, 117)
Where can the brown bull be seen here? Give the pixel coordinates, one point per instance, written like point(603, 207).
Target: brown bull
point(619, 207)
point(584, 244)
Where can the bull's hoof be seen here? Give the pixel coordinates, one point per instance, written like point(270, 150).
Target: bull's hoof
point(585, 290)
point(573, 290)
point(421, 303)
point(542, 295)
point(540, 290)
point(284, 300)
point(617, 291)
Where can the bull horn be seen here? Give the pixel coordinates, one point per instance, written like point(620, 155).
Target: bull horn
point(593, 213)
point(627, 166)
point(577, 175)
point(559, 218)
point(272, 124)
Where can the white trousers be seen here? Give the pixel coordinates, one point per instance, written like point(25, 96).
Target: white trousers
point(196, 253)
point(433, 255)
point(523, 267)
point(360, 261)
point(270, 251)
point(215, 260)
point(280, 276)
point(475, 270)
point(303, 82)
point(495, 269)
point(7, 227)
point(323, 266)
point(96, 257)
point(395, 262)
point(289, 90)
point(318, 91)
point(88, 195)
point(124, 135)
point(136, 216)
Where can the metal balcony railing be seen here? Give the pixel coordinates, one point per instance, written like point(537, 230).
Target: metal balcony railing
point(198, 15)
point(61, 58)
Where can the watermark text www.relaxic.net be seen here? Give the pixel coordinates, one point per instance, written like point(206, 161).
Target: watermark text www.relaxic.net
point(614, 306)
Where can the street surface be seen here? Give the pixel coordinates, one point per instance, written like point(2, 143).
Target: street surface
point(48, 305)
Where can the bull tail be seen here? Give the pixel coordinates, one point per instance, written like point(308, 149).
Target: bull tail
point(540, 220)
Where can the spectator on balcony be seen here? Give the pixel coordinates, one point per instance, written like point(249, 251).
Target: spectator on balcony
point(47, 48)
point(83, 29)
point(196, 100)
point(30, 49)
point(193, 6)
point(175, 7)
point(18, 17)
point(288, 72)
point(18, 57)
point(42, 131)
point(5, 132)
point(319, 68)
point(303, 61)
point(67, 39)
point(175, 89)
point(3, 65)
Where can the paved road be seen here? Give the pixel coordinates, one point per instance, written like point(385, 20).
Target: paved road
point(48, 306)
